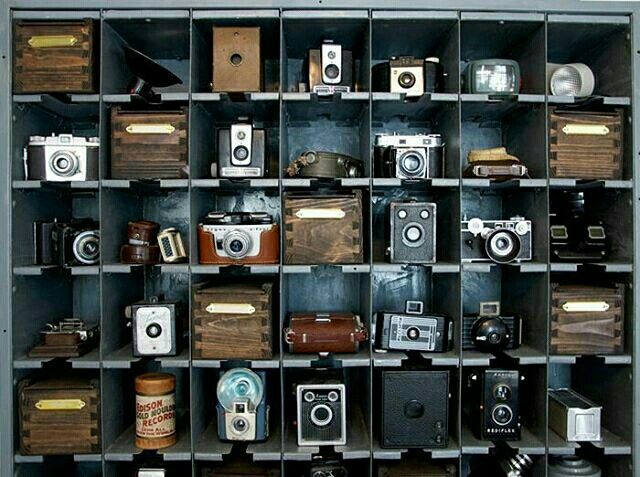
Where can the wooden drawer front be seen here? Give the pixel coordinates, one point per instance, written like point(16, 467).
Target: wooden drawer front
point(586, 146)
point(236, 333)
point(54, 57)
point(323, 229)
point(149, 145)
point(46, 427)
point(587, 332)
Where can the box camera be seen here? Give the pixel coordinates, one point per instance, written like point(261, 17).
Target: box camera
point(495, 404)
point(492, 76)
point(413, 330)
point(412, 232)
point(330, 69)
point(328, 468)
point(156, 327)
point(499, 241)
point(237, 59)
point(241, 152)
point(490, 331)
point(321, 414)
point(412, 156)
point(171, 246)
point(574, 417)
point(243, 413)
point(409, 75)
point(61, 158)
point(238, 237)
point(75, 243)
point(574, 235)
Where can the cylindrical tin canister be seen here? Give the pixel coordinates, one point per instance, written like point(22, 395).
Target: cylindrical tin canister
point(155, 410)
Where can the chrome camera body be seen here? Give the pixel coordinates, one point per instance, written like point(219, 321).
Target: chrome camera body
point(498, 241)
point(61, 158)
point(409, 156)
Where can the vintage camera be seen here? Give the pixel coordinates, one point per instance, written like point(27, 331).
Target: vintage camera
point(408, 75)
point(330, 69)
point(156, 327)
point(70, 244)
point(574, 235)
point(492, 76)
point(571, 466)
point(243, 413)
point(171, 246)
point(412, 232)
point(61, 158)
point(574, 417)
point(70, 337)
point(499, 241)
point(328, 468)
point(412, 156)
point(490, 331)
point(495, 404)
point(241, 152)
point(414, 330)
point(505, 464)
point(321, 414)
point(238, 237)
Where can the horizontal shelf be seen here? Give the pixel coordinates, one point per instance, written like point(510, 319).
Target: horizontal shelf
point(606, 100)
point(607, 267)
point(439, 267)
point(452, 451)
point(523, 355)
point(315, 183)
point(252, 363)
point(383, 182)
point(220, 269)
point(488, 98)
point(395, 359)
point(503, 184)
point(610, 444)
point(235, 184)
point(344, 360)
point(567, 183)
point(292, 269)
point(210, 448)
point(124, 447)
point(72, 185)
point(224, 97)
point(122, 358)
point(488, 267)
point(620, 359)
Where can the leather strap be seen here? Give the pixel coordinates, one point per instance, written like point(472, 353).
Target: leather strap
point(325, 165)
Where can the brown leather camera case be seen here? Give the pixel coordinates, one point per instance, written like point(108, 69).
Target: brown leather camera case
point(232, 321)
point(59, 416)
point(54, 57)
point(587, 332)
point(149, 144)
point(237, 61)
point(586, 145)
point(323, 228)
point(324, 333)
point(140, 254)
point(269, 249)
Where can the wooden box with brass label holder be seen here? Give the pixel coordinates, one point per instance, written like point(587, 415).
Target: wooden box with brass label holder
point(232, 321)
point(149, 144)
point(59, 416)
point(55, 57)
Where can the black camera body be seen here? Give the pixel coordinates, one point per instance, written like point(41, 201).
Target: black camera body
point(75, 243)
point(498, 241)
point(411, 235)
point(495, 404)
point(408, 75)
point(574, 235)
point(330, 69)
point(321, 413)
point(241, 152)
point(409, 156)
point(328, 468)
point(490, 331)
point(413, 330)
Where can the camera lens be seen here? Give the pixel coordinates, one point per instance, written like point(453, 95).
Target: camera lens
point(321, 415)
point(236, 244)
point(406, 80)
point(502, 414)
point(235, 59)
point(154, 330)
point(502, 246)
point(490, 334)
point(86, 247)
point(332, 71)
point(64, 163)
point(413, 333)
point(413, 234)
point(412, 163)
point(502, 392)
point(240, 425)
point(241, 153)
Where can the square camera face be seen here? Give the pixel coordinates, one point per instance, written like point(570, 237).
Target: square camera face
point(153, 329)
point(331, 63)
point(241, 139)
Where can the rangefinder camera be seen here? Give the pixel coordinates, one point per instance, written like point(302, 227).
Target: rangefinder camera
point(330, 69)
point(238, 238)
point(408, 75)
point(401, 156)
point(156, 327)
point(61, 158)
point(321, 414)
point(413, 330)
point(242, 405)
point(492, 76)
point(241, 152)
point(75, 243)
point(490, 331)
point(499, 241)
point(495, 404)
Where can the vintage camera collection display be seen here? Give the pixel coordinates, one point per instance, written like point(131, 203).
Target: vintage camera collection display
point(149, 141)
